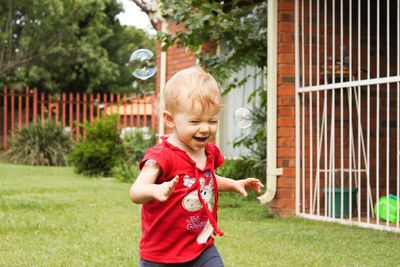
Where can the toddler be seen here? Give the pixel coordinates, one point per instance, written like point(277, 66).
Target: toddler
point(177, 184)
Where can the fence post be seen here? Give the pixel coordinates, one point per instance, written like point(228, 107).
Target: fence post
point(27, 106)
point(42, 102)
point(64, 110)
point(118, 106)
point(12, 109)
point(5, 119)
point(49, 106)
point(35, 105)
point(77, 118)
point(84, 114)
point(71, 114)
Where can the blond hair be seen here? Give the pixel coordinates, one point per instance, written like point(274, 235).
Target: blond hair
point(191, 84)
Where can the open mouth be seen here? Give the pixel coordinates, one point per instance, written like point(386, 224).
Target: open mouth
point(200, 139)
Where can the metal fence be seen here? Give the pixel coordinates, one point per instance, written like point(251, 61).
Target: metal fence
point(347, 112)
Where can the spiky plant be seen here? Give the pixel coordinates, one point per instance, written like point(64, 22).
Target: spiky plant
point(42, 143)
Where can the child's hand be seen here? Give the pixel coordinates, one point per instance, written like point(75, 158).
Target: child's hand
point(252, 184)
point(164, 190)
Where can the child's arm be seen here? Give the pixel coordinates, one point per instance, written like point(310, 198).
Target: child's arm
point(144, 188)
point(239, 186)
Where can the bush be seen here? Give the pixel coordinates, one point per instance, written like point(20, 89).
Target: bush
point(42, 143)
point(240, 169)
point(101, 151)
point(125, 172)
point(135, 141)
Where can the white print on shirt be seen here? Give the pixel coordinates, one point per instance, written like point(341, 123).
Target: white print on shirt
point(192, 203)
point(188, 181)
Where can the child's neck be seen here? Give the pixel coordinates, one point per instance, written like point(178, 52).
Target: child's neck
point(198, 156)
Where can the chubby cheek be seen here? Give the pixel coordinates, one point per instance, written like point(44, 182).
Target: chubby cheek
point(213, 130)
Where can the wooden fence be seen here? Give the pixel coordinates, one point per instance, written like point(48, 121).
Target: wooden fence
point(23, 106)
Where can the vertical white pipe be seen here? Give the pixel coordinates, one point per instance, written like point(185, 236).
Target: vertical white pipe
point(317, 183)
point(398, 114)
point(377, 112)
point(297, 84)
point(302, 113)
point(163, 80)
point(310, 103)
point(387, 109)
point(272, 170)
point(359, 152)
point(341, 112)
point(341, 155)
point(369, 194)
point(332, 156)
point(325, 108)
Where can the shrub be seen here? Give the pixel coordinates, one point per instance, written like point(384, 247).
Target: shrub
point(135, 141)
point(101, 151)
point(125, 172)
point(241, 168)
point(42, 143)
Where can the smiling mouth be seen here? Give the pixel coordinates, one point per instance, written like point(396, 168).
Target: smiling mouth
point(200, 139)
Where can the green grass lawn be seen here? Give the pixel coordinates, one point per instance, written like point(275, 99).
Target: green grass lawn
point(50, 216)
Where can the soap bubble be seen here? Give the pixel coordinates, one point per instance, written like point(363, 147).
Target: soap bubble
point(242, 118)
point(142, 64)
point(146, 134)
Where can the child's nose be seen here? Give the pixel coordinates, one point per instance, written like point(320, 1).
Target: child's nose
point(204, 127)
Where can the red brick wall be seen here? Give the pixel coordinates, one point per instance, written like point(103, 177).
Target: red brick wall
point(178, 58)
point(284, 202)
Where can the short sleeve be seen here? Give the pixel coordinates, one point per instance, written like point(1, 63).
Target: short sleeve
point(157, 154)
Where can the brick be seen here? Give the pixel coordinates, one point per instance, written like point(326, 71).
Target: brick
point(286, 69)
point(284, 182)
point(286, 90)
point(286, 111)
point(286, 59)
point(286, 27)
point(286, 122)
point(286, 194)
point(286, 142)
point(286, 131)
point(286, 101)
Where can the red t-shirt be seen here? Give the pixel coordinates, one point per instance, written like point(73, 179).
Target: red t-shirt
point(180, 229)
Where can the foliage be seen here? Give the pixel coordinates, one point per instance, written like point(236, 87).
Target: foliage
point(238, 27)
point(102, 149)
point(42, 143)
point(73, 45)
point(126, 172)
point(135, 141)
point(240, 169)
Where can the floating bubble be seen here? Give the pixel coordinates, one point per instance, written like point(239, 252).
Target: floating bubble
point(242, 118)
point(142, 64)
point(146, 135)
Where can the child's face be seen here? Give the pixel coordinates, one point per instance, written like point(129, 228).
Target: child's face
point(195, 126)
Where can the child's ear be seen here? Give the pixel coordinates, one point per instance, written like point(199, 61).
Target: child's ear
point(169, 120)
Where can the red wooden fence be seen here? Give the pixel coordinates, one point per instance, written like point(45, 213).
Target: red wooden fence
point(21, 107)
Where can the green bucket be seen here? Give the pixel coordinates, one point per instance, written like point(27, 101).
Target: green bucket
point(394, 208)
point(334, 211)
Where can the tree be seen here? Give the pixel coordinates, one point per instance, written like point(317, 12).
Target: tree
point(77, 45)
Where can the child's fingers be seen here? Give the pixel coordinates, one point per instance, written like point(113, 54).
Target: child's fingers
point(173, 183)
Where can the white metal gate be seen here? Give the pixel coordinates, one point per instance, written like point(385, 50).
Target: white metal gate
point(347, 111)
